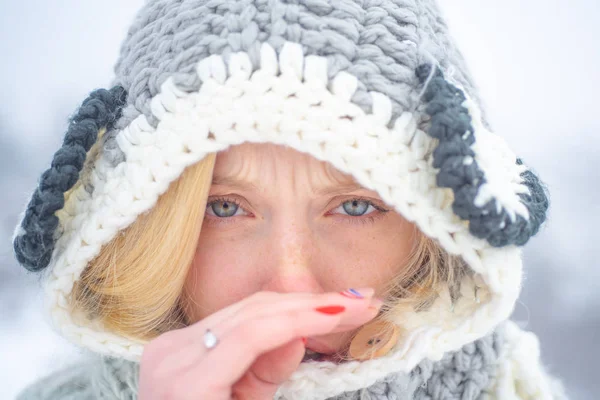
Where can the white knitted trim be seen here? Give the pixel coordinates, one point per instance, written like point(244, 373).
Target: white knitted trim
point(498, 163)
point(521, 375)
point(235, 105)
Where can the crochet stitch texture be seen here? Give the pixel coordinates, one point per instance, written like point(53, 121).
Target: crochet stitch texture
point(464, 374)
point(34, 245)
point(376, 88)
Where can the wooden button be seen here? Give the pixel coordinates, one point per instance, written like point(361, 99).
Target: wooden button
point(374, 340)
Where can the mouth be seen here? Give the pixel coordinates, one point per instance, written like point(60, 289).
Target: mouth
point(311, 355)
point(318, 350)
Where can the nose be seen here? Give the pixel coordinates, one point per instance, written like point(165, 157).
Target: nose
point(291, 258)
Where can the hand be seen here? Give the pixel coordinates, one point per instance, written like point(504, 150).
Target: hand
point(260, 346)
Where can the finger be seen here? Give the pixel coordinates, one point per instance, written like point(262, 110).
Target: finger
point(269, 371)
point(272, 302)
point(184, 335)
point(173, 347)
point(262, 305)
point(176, 341)
point(289, 303)
point(239, 348)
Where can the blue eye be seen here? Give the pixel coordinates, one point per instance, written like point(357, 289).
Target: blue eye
point(223, 208)
point(356, 207)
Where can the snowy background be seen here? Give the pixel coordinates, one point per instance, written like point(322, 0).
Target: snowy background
point(537, 64)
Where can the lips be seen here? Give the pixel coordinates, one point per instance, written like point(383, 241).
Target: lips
point(310, 355)
point(316, 351)
point(317, 347)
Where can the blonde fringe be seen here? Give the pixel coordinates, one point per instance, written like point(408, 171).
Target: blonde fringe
point(135, 286)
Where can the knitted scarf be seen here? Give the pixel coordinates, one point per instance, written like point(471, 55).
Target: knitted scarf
point(464, 374)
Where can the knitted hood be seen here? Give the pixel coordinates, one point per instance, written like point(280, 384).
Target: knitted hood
point(376, 88)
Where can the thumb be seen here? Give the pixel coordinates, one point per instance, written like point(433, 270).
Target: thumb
point(269, 371)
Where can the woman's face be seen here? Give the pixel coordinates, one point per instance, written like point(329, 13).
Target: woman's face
point(280, 220)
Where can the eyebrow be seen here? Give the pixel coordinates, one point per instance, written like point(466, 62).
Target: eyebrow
point(245, 185)
point(229, 181)
point(341, 188)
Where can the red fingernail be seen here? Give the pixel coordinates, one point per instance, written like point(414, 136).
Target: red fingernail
point(330, 309)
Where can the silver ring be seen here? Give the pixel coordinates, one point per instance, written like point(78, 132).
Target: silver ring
point(210, 340)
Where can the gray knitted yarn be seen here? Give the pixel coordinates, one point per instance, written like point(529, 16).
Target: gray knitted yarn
point(398, 48)
point(390, 46)
point(464, 374)
point(100, 378)
point(380, 42)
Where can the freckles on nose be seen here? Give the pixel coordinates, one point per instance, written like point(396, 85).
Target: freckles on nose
point(290, 254)
point(294, 244)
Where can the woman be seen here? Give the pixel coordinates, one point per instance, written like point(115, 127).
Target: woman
point(291, 200)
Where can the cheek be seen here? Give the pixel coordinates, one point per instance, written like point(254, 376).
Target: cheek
point(370, 256)
point(221, 274)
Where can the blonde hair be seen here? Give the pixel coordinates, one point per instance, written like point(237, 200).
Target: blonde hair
point(135, 286)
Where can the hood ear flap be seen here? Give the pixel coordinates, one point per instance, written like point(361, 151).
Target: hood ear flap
point(452, 124)
point(34, 241)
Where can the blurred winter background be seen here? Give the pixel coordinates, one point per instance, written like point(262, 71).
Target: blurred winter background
point(537, 64)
